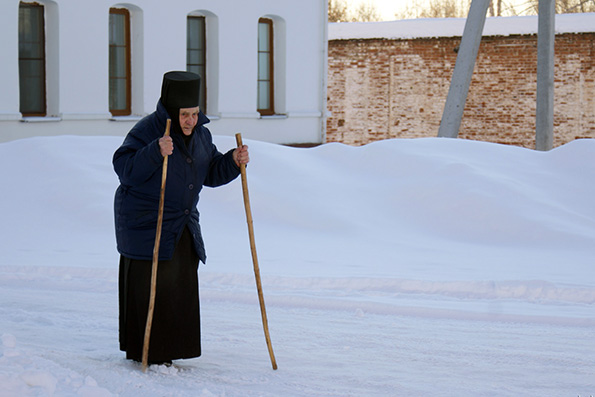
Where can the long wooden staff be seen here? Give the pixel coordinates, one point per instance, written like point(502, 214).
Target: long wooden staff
point(263, 312)
point(155, 259)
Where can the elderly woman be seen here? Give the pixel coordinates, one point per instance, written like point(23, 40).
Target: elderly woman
point(193, 162)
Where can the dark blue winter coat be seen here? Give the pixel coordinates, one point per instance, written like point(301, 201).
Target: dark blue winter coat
point(139, 164)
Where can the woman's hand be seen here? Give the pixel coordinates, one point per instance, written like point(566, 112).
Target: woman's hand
point(241, 156)
point(166, 145)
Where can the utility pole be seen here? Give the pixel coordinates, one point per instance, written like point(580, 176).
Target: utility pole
point(461, 78)
point(544, 123)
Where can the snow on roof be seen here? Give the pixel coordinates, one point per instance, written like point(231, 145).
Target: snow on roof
point(453, 27)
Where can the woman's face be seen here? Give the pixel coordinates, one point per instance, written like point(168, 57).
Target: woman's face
point(188, 119)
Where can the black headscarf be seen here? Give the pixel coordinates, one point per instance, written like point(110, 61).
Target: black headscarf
point(179, 90)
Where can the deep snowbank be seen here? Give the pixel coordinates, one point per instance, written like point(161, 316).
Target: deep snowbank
point(404, 267)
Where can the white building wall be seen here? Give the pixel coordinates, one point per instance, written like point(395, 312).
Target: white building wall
point(9, 66)
point(83, 62)
point(77, 66)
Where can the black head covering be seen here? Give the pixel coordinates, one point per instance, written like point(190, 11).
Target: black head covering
point(179, 90)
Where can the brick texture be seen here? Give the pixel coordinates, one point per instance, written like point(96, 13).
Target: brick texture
point(379, 89)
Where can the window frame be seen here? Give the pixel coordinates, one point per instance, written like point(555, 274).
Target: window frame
point(128, 109)
point(271, 75)
point(42, 93)
point(197, 67)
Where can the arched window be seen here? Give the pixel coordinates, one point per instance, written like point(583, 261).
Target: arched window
point(120, 85)
point(32, 73)
point(196, 54)
point(265, 67)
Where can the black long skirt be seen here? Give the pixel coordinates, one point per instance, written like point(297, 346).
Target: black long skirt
point(175, 331)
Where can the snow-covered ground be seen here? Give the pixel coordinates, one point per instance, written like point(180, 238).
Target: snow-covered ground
point(427, 267)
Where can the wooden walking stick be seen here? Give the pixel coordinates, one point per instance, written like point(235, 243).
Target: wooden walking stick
point(263, 312)
point(155, 259)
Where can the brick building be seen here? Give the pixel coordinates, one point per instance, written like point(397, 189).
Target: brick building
point(391, 80)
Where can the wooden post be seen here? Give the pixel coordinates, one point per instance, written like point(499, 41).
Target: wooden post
point(263, 313)
point(155, 260)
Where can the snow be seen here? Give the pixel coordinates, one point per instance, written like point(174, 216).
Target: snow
point(424, 267)
point(453, 27)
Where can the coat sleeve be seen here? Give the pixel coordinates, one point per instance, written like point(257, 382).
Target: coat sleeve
point(136, 160)
point(222, 169)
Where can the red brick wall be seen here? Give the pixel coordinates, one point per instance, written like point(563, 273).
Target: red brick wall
point(380, 89)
